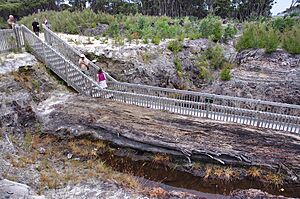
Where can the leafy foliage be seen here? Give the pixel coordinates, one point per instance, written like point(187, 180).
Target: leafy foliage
point(259, 35)
point(211, 27)
point(133, 27)
point(291, 40)
point(225, 73)
point(175, 46)
point(216, 56)
point(229, 32)
point(271, 34)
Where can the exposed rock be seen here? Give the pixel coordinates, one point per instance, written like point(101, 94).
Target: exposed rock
point(99, 30)
point(11, 62)
point(148, 130)
point(96, 189)
point(14, 190)
point(252, 194)
point(271, 77)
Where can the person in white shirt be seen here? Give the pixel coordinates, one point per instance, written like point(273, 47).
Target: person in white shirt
point(83, 63)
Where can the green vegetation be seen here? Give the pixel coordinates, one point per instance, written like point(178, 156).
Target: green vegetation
point(213, 60)
point(178, 66)
point(291, 40)
point(229, 32)
point(134, 27)
point(216, 56)
point(271, 34)
point(175, 46)
point(211, 27)
point(225, 73)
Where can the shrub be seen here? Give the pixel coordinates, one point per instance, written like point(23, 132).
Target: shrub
point(281, 24)
point(205, 73)
point(175, 46)
point(252, 36)
point(113, 30)
point(271, 40)
point(229, 32)
point(156, 40)
point(216, 56)
point(178, 64)
point(211, 27)
point(225, 74)
point(291, 40)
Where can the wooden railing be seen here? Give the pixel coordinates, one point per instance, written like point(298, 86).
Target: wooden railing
point(264, 114)
point(11, 39)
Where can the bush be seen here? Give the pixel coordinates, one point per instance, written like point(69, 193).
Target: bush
point(291, 40)
point(225, 73)
point(216, 56)
point(270, 35)
point(271, 40)
point(205, 73)
point(178, 64)
point(156, 40)
point(281, 24)
point(211, 27)
point(229, 32)
point(251, 37)
point(175, 46)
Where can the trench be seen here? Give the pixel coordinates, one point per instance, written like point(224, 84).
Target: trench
point(141, 165)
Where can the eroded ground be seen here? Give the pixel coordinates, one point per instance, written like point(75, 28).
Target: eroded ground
point(51, 140)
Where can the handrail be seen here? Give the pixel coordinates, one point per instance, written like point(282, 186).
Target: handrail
point(70, 64)
point(48, 31)
point(257, 113)
point(137, 88)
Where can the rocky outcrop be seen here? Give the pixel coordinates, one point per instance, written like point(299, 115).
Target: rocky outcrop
point(148, 130)
point(12, 62)
point(45, 106)
point(14, 190)
point(98, 30)
point(271, 77)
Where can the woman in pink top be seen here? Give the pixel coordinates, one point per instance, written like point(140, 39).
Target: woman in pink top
point(101, 78)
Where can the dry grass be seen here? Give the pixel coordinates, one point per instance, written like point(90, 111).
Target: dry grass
point(158, 193)
point(196, 166)
point(50, 179)
point(254, 172)
point(208, 171)
point(86, 147)
point(161, 158)
point(218, 172)
point(229, 173)
point(274, 178)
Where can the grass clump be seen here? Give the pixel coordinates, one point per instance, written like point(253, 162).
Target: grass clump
point(229, 32)
point(156, 40)
point(225, 73)
point(178, 66)
point(211, 27)
point(216, 56)
point(271, 35)
point(291, 40)
point(259, 35)
point(175, 46)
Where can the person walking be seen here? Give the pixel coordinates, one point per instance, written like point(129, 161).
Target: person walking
point(84, 64)
point(46, 22)
point(36, 27)
point(101, 78)
point(11, 21)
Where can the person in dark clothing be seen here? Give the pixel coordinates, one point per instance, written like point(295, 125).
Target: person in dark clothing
point(36, 27)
